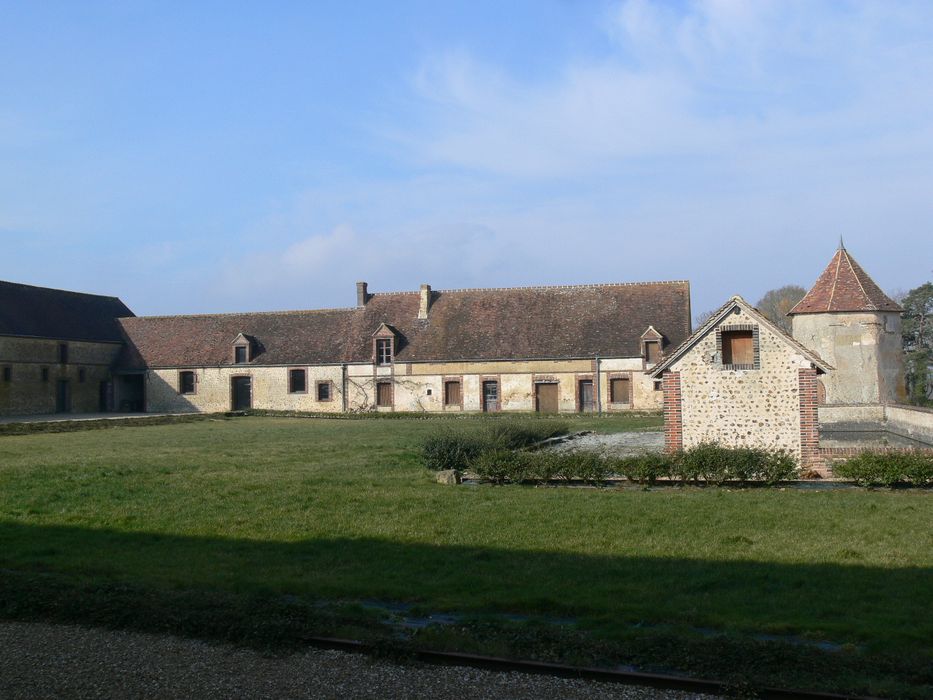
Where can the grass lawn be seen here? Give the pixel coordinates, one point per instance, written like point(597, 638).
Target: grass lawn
point(243, 528)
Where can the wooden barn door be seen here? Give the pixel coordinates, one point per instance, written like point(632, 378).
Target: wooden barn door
point(546, 398)
point(587, 404)
point(242, 393)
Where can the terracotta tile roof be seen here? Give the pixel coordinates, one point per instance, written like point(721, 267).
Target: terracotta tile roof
point(470, 324)
point(54, 313)
point(844, 286)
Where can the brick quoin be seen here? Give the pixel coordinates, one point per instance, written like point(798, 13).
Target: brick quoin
point(810, 456)
point(673, 416)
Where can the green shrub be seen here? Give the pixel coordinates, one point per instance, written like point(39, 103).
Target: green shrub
point(499, 465)
point(456, 449)
point(887, 468)
point(779, 466)
point(450, 449)
point(645, 468)
point(513, 434)
point(715, 464)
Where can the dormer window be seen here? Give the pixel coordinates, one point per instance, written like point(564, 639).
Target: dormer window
point(244, 348)
point(652, 352)
point(241, 354)
point(383, 351)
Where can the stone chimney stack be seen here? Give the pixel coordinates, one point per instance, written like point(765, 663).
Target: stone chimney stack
point(362, 295)
point(425, 301)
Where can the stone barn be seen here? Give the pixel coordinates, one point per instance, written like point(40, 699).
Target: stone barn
point(740, 381)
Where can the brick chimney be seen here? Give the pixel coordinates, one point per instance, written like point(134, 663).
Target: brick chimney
point(425, 301)
point(362, 295)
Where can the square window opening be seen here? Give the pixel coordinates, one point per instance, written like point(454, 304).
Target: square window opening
point(738, 348)
point(620, 390)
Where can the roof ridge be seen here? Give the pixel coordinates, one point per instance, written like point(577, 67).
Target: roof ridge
point(287, 312)
point(60, 291)
point(832, 292)
point(858, 278)
point(540, 287)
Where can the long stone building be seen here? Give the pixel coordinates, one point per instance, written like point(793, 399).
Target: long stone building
point(547, 349)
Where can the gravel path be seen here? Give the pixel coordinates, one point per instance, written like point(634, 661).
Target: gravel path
point(616, 444)
point(57, 661)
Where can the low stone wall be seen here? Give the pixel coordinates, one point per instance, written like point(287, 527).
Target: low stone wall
point(852, 417)
point(910, 421)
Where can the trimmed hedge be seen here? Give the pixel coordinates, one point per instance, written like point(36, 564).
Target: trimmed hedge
point(888, 468)
point(707, 463)
point(457, 449)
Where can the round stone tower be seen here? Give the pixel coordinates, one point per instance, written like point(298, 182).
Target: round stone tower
point(856, 328)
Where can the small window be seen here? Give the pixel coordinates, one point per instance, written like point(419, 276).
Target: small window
point(383, 394)
point(297, 381)
point(620, 390)
point(652, 352)
point(186, 382)
point(323, 391)
point(738, 348)
point(240, 355)
point(452, 393)
point(63, 353)
point(45, 374)
point(7, 374)
point(657, 385)
point(82, 375)
point(383, 351)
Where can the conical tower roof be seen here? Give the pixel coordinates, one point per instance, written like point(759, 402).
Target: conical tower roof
point(844, 286)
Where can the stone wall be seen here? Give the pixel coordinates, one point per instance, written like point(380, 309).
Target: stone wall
point(910, 421)
point(865, 351)
point(742, 407)
point(28, 393)
point(416, 387)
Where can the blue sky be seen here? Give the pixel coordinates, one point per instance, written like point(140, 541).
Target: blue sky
point(199, 157)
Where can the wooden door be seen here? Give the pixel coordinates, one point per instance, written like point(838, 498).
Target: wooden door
point(63, 397)
point(546, 398)
point(586, 396)
point(242, 393)
point(490, 396)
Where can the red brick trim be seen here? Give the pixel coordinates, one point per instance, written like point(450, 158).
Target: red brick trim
point(810, 456)
point(673, 415)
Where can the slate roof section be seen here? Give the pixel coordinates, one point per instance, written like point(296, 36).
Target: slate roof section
point(474, 324)
point(40, 312)
point(844, 286)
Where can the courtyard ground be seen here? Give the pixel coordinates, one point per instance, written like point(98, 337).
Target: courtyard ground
point(262, 531)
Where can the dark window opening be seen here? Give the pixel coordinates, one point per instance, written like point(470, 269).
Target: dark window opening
point(45, 374)
point(657, 386)
point(297, 381)
point(620, 390)
point(323, 391)
point(452, 393)
point(240, 355)
point(7, 374)
point(186, 382)
point(652, 352)
point(383, 394)
point(63, 353)
point(738, 348)
point(82, 375)
point(384, 351)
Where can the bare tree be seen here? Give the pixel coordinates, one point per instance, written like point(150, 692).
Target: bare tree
point(776, 303)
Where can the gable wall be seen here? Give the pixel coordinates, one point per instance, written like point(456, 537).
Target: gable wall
point(27, 394)
point(742, 408)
